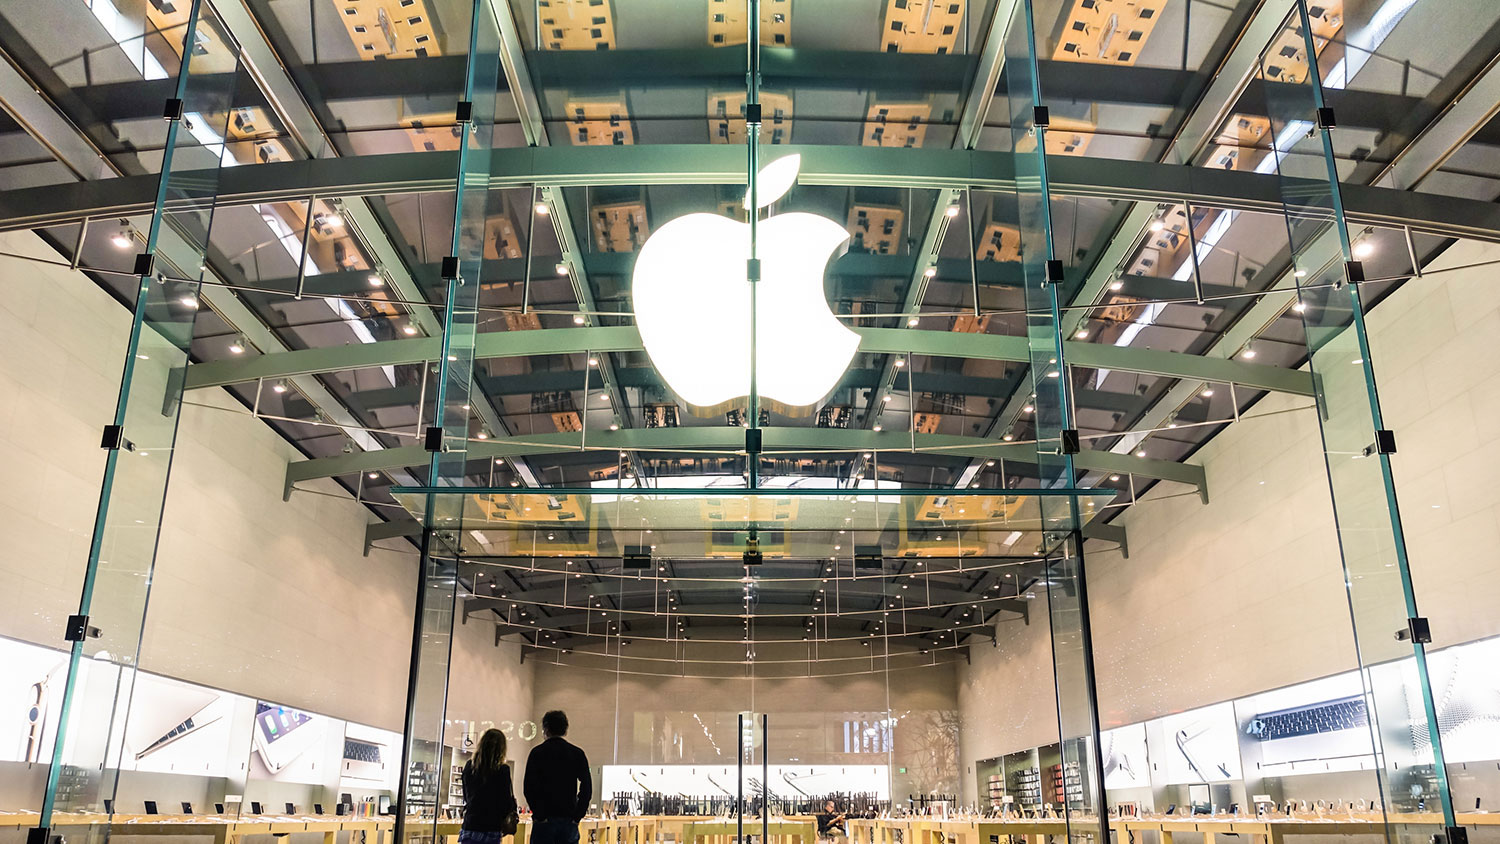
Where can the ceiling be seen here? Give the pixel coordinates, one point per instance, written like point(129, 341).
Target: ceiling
point(357, 84)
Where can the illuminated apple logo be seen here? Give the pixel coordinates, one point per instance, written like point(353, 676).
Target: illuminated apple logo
point(692, 303)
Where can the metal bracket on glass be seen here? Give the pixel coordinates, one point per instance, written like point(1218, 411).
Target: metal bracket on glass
point(1417, 631)
point(173, 109)
point(1070, 441)
point(465, 112)
point(753, 441)
point(145, 263)
point(433, 439)
point(114, 437)
point(753, 114)
point(1456, 835)
point(79, 629)
point(1041, 117)
point(1326, 120)
point(449, 269)
point(1054, 271)
point(1354, 271)
point(1385, 441)
point(752, 270)
point(38, 835)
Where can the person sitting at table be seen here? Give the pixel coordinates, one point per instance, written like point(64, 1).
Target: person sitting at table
point(831, 823)
point(489, 799)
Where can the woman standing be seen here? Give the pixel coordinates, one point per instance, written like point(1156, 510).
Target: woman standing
point(489, 800)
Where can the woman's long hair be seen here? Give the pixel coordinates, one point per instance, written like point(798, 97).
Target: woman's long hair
point(491, 753)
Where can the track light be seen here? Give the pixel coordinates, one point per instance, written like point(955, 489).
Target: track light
point(542, 210)
point(578, 319)
point(375, 280)
point(279, 387)
point(122, 239)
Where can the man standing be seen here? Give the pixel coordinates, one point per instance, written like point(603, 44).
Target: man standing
point(557, 785)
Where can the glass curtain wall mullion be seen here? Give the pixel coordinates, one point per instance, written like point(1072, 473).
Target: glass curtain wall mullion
point(1377, 574)
point(752, 204)
point(424, 752)
point(105, 635)
point(1056, 440)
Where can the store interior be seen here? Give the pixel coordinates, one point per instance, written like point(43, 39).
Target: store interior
point(1023, 535)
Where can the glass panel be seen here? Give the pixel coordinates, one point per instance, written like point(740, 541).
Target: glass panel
point(97, 712)
point(1076, 770)
point(1359, 472)
point(426, 755)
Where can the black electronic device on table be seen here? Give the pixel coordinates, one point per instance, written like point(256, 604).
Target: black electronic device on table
point(291, 809)
point(254, 807)
point(218, 808)
point(150, 807)
point(109, 806)
point(318, 809)
point(339, 809)
point(187, 808)
point(385, 804)
point(1172, 809)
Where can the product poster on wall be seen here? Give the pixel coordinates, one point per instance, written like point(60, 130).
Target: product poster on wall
point(785, 781)
point(178, 728)
point(371, 758)
point(294, 746)
point(1466, 693)
point(1202, 745)
point(1124, 754)
point(31, 688)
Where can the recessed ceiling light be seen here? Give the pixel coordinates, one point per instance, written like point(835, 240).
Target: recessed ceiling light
point(1117, 286)
point(373, 475)
point(1207, 391)
point(912, 322)
point(1009, 437)
point(930, 272)
point(375, 280)
point(1140, 452)
point(541, 209)
point(593, 361)
point(121, 240)
point(1300, 307)
point(952, 211)
point(1082, 333)
point(1157, 225)
point(578, 319)
point(1364, 249)
point(1027, 409)
point(409, 329)
point(1114, 477)
point(877, 429)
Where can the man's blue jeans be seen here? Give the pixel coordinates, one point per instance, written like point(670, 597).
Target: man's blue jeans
point(555, 831)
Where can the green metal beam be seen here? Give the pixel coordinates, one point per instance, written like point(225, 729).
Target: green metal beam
point(731, 440)
point(716, 164)
point(560, 341)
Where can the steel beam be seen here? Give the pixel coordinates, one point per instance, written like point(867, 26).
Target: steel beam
point(715, 164)
point(623, 338)
point(729, 440)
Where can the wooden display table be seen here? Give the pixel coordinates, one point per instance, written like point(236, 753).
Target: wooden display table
point(1273, 830)
point(723, 831)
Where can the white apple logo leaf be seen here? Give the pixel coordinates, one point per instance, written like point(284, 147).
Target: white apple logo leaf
point(775, 180)
point(692, 302)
